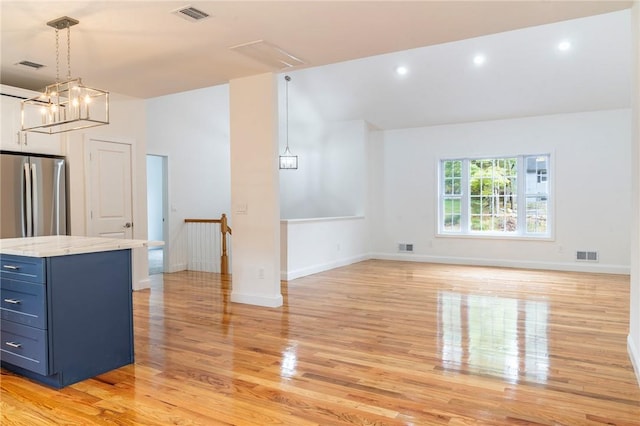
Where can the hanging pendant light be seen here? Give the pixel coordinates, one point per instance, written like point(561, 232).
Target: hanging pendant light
point(287, 159)
point(67, 105)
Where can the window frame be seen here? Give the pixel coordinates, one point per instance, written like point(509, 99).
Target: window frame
point(521, 199)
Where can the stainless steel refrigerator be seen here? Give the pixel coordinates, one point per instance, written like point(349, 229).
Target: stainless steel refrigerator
point(33, 192)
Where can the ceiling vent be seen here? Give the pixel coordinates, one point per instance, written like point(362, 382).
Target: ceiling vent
point(30, 64)
point(190, 13)
point(268, 54)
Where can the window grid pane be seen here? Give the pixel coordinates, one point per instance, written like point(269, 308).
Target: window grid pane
point(537, 193)
point(451, 195)
point(491, 188)
point(536, 215)
point(451, 218)
point(491, 198)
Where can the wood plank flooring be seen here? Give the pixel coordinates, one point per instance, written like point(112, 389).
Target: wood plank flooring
point(375, 343)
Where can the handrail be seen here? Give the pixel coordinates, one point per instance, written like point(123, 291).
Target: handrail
point(224, 230)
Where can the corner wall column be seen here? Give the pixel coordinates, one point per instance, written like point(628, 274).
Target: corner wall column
point(255, 196)
point(633, 340)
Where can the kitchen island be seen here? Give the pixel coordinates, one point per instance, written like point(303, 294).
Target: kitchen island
point(66, 307)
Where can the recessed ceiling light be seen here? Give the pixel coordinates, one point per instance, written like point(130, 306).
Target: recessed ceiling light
point(479, 60)
point(564, 45)
point(402, 70)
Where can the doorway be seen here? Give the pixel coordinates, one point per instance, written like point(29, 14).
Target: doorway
point(157, 211)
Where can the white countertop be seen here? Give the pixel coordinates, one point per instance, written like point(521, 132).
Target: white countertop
point(61, 245)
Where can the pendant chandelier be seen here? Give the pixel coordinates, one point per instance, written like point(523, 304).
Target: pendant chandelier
point(65, 105)
point(288, 161)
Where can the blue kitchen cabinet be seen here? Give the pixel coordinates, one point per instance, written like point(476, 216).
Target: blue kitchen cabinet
point(66, 318)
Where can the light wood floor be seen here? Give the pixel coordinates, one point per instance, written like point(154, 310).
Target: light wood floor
point(376, 343)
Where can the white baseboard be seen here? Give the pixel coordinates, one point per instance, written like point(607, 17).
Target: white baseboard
point(177, 267)
point(634, 355)
point(314, 269)
point(269, 302)
point(554, 266)
point(142, 284)
point(204, 267)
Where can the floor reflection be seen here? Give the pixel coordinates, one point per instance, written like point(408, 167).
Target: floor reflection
point(493, 335)
point(289, 361)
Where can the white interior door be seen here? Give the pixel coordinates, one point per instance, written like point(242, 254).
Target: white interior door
point(110, 189)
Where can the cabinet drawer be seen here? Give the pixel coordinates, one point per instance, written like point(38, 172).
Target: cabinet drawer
point(24, 346)
point(22, 268)
point(23, 302)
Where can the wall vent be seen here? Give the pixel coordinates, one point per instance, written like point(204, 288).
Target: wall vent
point(586, 256)
point(405, 247)
point(190, 13)
point(30, 64)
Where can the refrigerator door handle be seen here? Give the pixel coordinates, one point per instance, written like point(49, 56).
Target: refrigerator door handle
point(34, 201)
point(57, 188)
point(26, 203)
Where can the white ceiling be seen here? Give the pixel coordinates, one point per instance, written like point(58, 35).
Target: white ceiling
point(141, 49)
point(525, 74)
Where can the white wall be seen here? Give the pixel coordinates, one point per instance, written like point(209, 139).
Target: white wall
point(375, 194)
point(326, 202)
point(345, 169)
point(591, 174)
point(154, 197)
point(254, 190)
point(633, 339)
point(192, 130)
point(127, 123)
point(309, 246)
point(300, 188)
point(331, 177)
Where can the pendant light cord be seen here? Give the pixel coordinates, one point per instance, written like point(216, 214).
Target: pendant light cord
point(57, 56)
point(287, 79)
point(68, 52)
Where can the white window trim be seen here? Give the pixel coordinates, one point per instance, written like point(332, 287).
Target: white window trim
point(464, 208)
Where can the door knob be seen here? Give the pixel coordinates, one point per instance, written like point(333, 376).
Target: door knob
point(128, 225)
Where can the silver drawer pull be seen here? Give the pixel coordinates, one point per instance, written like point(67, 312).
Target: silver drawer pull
point(13, 301)
point(13, 344)
point(11, 267)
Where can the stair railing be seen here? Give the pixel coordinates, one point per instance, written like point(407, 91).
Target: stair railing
point(224, 230)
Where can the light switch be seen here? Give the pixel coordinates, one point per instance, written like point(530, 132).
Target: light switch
point(241, 208)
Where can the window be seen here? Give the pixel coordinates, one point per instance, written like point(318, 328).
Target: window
point(452, 194)
point(502, 196)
